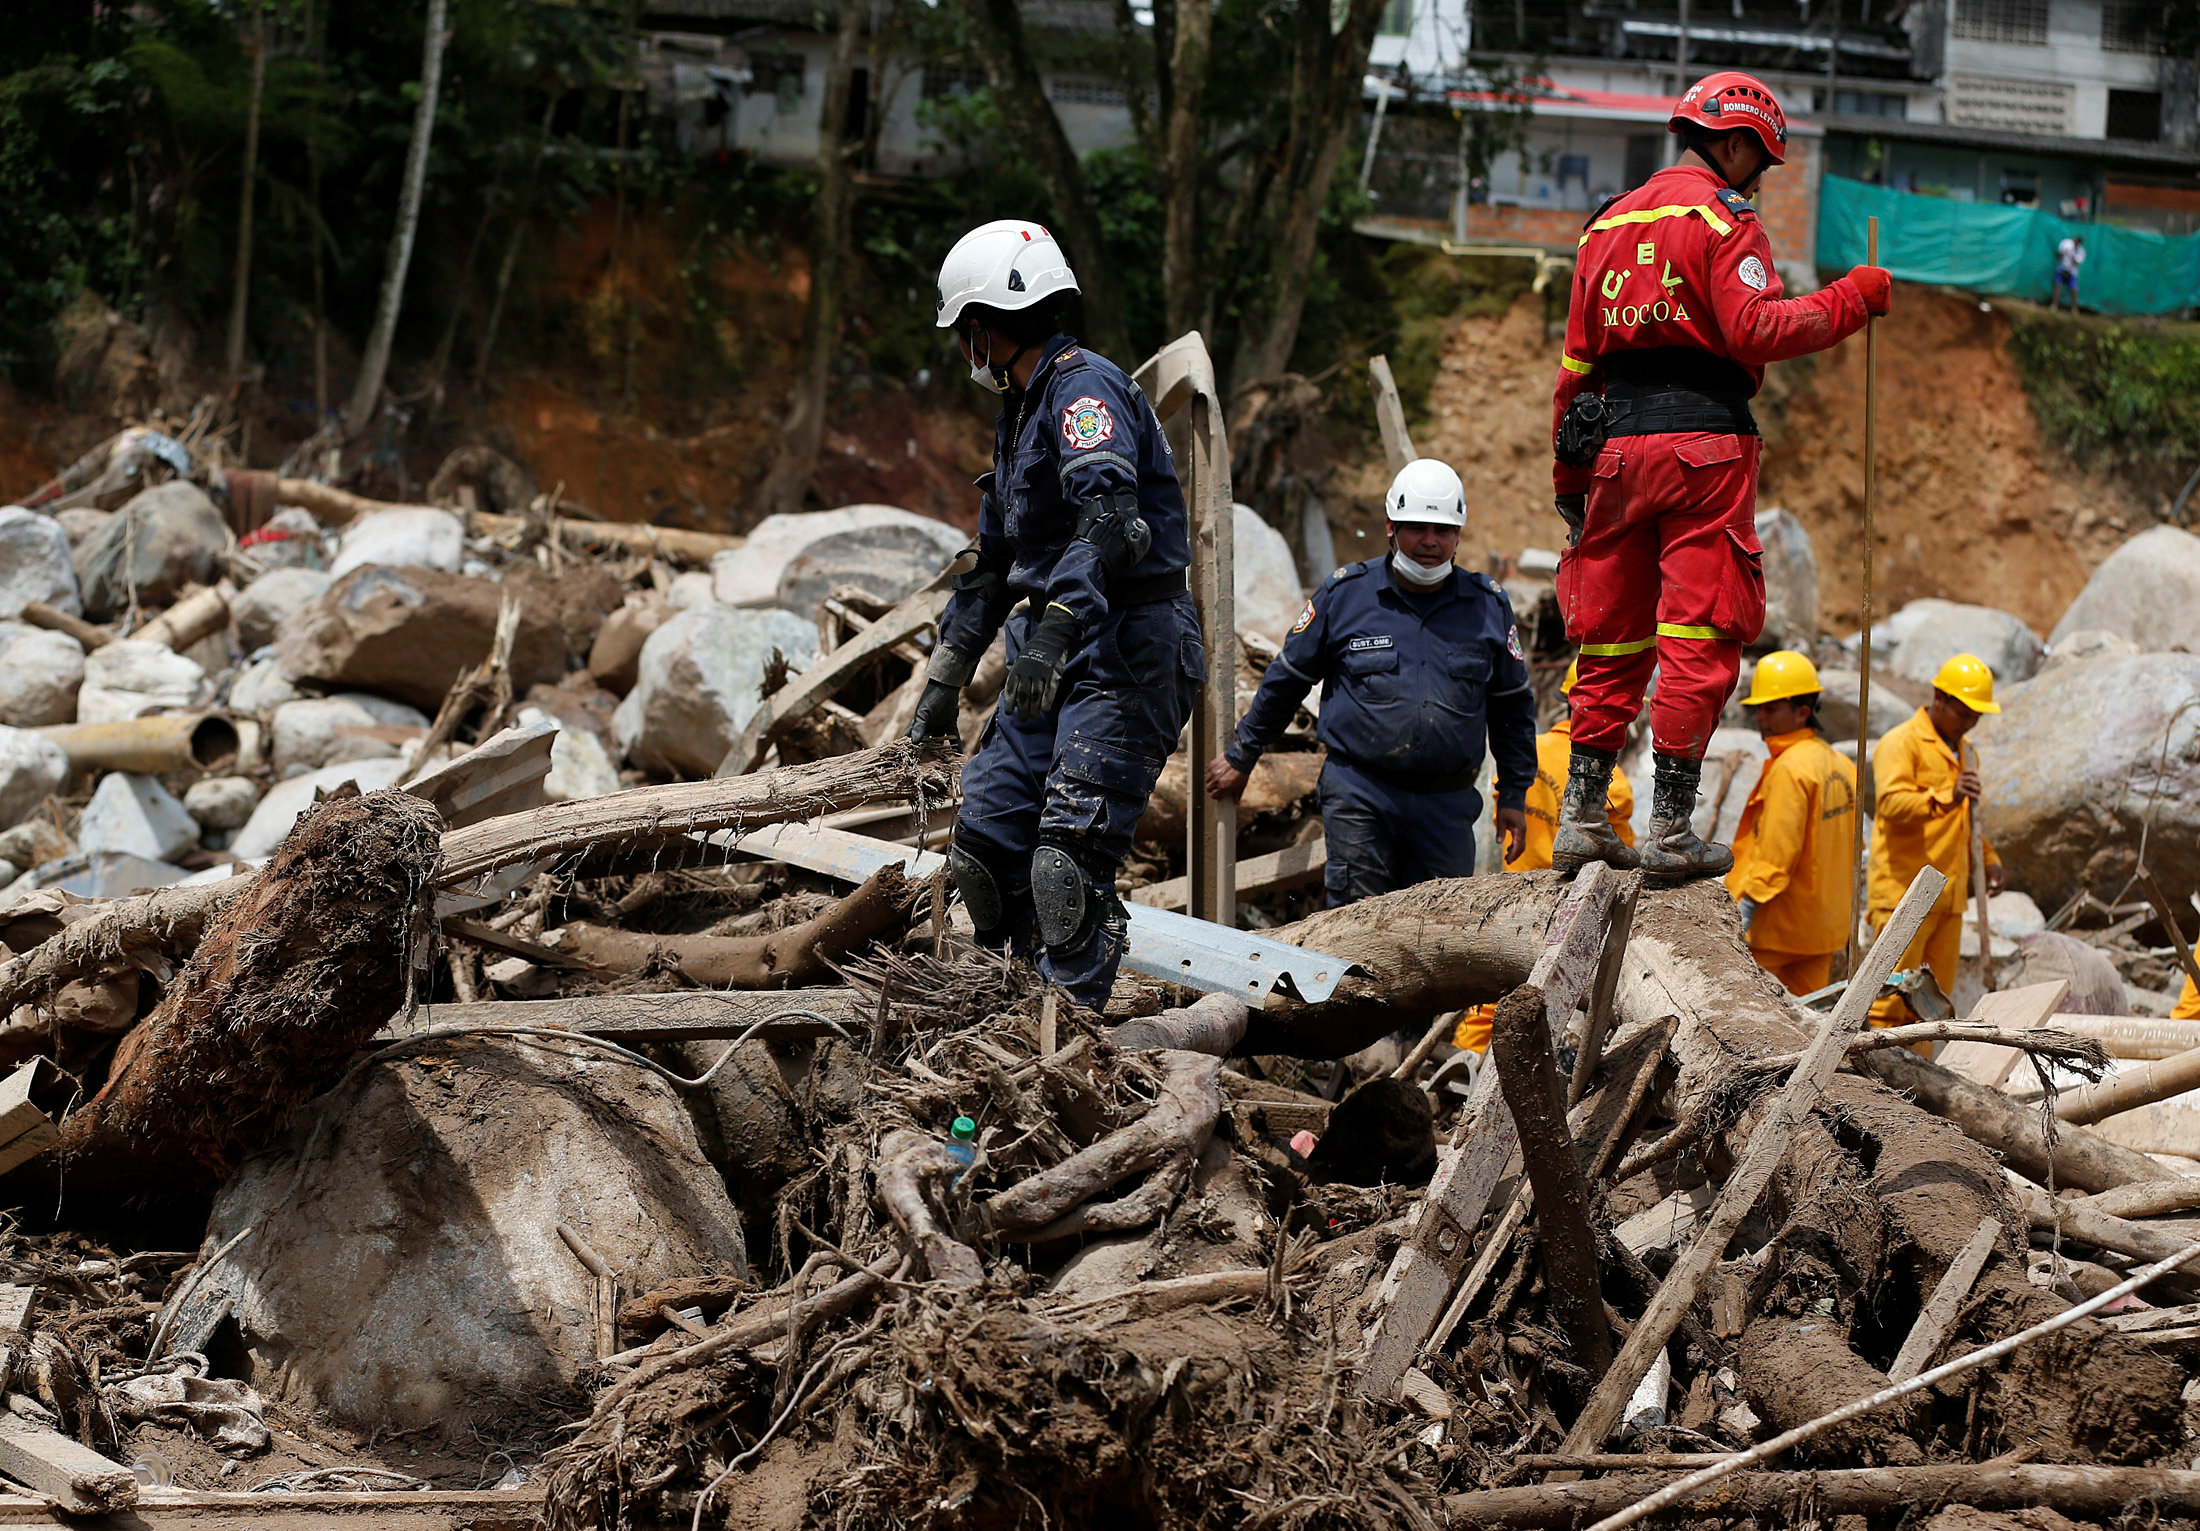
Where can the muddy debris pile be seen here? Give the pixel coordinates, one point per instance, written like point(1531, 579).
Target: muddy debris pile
point(484, 1022)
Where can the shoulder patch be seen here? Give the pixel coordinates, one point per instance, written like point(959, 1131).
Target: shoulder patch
point(1600, 207)
point(1512, 643)
point(1348, 571)
point(1306, 618)
point(1737, 204)
point(1070, 360)
point(1086, 423)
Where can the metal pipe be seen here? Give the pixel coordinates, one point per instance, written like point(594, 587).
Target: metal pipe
point(169, 741)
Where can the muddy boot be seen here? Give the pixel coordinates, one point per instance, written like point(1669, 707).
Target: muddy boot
point(1674, 852)
point(1585, 832)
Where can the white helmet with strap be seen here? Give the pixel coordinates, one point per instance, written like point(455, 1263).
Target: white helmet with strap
point(1008, 264)
point(1428, 491)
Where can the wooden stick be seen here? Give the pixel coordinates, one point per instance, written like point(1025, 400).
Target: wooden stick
point(1978, 878)
point(2076, 1219)
point(1939, 1313)
point(2153, 891)
point(39, 614)
point(2143, 1086)
point(1605, 989)
point(1767, 1145)
point(1871, 506)
point(1445, 1025)
point(2148, 1198)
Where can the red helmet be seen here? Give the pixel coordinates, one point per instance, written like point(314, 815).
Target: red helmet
point(1731, 99)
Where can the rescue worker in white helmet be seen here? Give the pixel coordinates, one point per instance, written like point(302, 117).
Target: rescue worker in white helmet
point(1082, 532)
point(1420, 666)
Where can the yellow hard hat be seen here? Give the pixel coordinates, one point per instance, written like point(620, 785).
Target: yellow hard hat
point(1781, 675)
point(1966, 678)
point(1573, 673)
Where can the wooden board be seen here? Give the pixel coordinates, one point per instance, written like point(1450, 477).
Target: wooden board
point(1287, 868)
point(74, 1477)
point(693, 1015)
point(2024, 1009)
point(502, 774)
point(1939, 1313)
point(25, 1131)
point(1390, 416)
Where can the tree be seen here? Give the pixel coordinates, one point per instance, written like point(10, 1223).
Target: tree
point(374, 363)
point(233, 355)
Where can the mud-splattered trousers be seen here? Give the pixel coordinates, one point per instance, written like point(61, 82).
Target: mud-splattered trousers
point(1078, 777)
point(1414, 685)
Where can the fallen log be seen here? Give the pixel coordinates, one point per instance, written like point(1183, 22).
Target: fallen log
point(2148, 1198)
point(689, 1016)
point(2129, 1091)
point(39, 614)
point(2079, 1219)
point(800, 954)
point(335, 507)
point(132, 932)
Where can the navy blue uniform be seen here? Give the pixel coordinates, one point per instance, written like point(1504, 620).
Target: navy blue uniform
point(1414, 685)
point(1078, 778)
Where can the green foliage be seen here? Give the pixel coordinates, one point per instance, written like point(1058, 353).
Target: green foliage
point(2115, 395)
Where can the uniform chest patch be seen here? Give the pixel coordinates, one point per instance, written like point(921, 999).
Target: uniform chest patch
point(1358, 645)
point(1752, 272)
point(1087, 423)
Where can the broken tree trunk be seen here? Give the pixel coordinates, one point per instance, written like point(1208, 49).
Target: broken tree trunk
point(291, 978)
point(799, 954)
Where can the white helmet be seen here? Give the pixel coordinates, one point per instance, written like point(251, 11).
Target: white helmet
point(1007, 265)
point(1427, 490)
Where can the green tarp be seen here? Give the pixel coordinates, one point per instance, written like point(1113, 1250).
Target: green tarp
point(2005, 249)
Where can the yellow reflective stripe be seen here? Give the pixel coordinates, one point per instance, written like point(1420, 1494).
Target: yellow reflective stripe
point(1576, 366)
point(1681, 630)
point(1616, 650)
point(1652, 215)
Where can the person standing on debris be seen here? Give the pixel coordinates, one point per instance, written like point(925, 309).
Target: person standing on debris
point(1419, 664)
point(1082, 521)
point(2069, 257)
point(1676, 310)
point(1793, 867)
point(1553, 755)
point(1921, 817)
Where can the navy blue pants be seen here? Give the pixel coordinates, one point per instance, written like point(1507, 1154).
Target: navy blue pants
point(1383, 837)
point(1079, 778)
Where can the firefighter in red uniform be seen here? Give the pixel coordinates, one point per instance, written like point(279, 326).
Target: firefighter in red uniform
point(1676, 311)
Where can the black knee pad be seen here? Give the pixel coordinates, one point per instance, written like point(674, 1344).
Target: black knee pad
point(981, 891)
point(1072, 895)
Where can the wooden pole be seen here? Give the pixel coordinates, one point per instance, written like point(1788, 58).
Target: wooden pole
point(1864, 668)
point(1978, 878)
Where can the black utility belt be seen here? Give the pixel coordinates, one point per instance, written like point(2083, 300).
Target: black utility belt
point(1671, 410)
point(1411, 781)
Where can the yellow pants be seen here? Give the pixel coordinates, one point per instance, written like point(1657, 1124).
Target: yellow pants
point(1473, 1031)
point(1798, 974)
point(1937, 945)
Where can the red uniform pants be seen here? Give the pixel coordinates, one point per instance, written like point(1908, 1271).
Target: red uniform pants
point(1668, 575)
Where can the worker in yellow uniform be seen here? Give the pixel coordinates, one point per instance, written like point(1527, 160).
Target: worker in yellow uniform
point(1793, 871)
point(1926, 782)
point(1554, 752)
point(2188, 1004)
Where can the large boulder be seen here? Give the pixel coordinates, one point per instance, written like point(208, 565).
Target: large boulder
point(1791, 583)
point(2083, 758)
point(40, 674)
point(699, 683)
point(133, 676)
point(35, 563)
point(408, 633)
point(886, 562)
point(2148, 590)
point(579, 764)
point(133, 815)
point(167, 537)
point(1264, 577)
point(32, 769)
point(260, 607)
point(353, 725)
point(1838, 697)
point(2010, 648)
point(277, 811)
point(406, 1267)
point(414, 537)
point(749, 575)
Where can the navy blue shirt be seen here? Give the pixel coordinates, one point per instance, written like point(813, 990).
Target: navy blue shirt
point(1414, 685)
point(1082, 429)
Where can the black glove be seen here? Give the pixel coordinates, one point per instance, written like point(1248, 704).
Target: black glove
point(1574, 510)
point(935, 714)
point(1037, 673)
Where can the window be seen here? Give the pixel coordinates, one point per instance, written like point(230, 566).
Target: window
point(2001, 21)
point(2135, 114)
point(942, 81)
point(1080, 90)
point(1643, 150)
point(1870, 103)
point(2131, 26)
point(2017, 106)
point(1397, 18)
point(778, 74)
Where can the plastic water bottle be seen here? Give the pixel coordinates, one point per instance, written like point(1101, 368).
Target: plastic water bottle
point(962, 1141)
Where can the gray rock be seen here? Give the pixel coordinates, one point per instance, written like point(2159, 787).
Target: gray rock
point(2088, 643)
point(750, 574)
point(263, 604)
point(2011, 649)
point(1837, 703)
point(409, 633)
point(277, 811)
point(579, 764)
point(133, 676)
point(132, 815)
point(417, 536)
point(34, 563)
point(698, 681)
point(40, 674)
point(222, 802)
point(1791, 583)
point(1887, 635)
point(2081, 758)
point(165, 538)
point(32, 769)
point(292, 539)
point(308, 734)
point(886, 562)
point(2148, 591)
point(82, 524)
point(111, 875)
point(1264, 577)
point(262, 687)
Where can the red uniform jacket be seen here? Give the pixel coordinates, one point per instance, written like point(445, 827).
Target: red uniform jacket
point(1681, 261)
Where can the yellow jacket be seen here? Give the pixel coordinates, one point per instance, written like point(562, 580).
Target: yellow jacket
point(1917, 819)
point(1554, 754)
point(1792, 849)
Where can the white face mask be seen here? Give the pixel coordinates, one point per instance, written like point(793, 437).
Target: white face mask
point(982, 372)
point(1415, 575)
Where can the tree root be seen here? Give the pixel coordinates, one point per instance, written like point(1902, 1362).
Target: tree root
point(914, 1173)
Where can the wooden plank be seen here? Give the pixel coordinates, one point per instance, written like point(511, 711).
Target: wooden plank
point(1287, 868)
point(1939, 1313)
point(15, 1306)
point(1419, 1283)
point(2023, 1009)
point(1390, 416)
point(75, 1477)
point(513, 946)
point(692, 1015)
point(1767, 1145)
point(1605, 989)
point(818, 684)
point(25, 1131)
point(502, 774)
